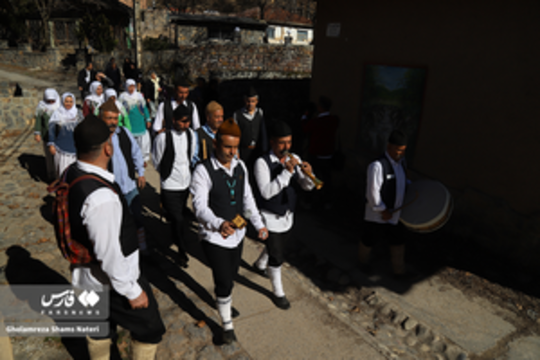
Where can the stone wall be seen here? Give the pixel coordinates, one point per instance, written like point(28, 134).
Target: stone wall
point(227, 61)
point(17, 112)
point(48, 60)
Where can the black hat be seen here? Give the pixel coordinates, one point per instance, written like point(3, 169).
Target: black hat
point(89, 133)
point(398, 137)
point(280, 129)
point(181, 111)
point(251, 92)
point(181, 83)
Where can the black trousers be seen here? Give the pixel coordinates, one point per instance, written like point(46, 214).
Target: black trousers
point(174, 202)
point(376, 232)
point(275, 246)
point(145, 325)
point(136, 210)
point(224, 263)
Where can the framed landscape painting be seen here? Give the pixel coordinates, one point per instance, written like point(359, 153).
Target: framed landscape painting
point(392, 98)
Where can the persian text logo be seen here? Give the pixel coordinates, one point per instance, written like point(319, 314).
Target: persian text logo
point(67, 299)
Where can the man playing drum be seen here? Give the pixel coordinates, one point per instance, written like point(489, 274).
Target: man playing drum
point(385, 191)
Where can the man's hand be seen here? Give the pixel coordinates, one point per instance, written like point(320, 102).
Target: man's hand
point(140, 302)
point(37, 137)
point(291, 163)
point(226, 229)
point(263, 233)
point(386, 215)
point(141, 182)
point(52, 150)
point(80, 88)
point(148, 124)
point(307, 167)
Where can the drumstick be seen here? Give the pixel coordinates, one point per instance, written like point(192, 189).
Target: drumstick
point(407, 204)
point(204, 149)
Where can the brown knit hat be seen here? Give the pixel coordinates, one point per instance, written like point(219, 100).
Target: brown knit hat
point(229, 127)
point(109, 105)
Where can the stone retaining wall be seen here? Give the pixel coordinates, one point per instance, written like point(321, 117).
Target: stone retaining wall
point(227, 61)
point(48, 60)
point(17, 112)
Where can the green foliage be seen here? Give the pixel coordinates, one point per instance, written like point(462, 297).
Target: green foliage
point(98, 31)
point(156, 44)
point(12, 24)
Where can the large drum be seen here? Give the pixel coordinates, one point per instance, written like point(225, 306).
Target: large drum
point(427, 206)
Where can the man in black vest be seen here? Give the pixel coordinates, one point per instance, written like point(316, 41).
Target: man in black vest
point(164, 115)
point(101, 222)
point(85, 78)
point(207, 132)
point(386, 182)
point(250, 119)
point(174, 154)
point(127, 165)
point(221, 194)
point(274, 173)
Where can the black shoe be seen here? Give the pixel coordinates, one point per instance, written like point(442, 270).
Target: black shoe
point(261, 272)
point(234, 313)
point(281, 302)
point(228, 336)
point(182, 260)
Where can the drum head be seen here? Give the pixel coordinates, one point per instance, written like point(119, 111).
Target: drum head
point(430, 210)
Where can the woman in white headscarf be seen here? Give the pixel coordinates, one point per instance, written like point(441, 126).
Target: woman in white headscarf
point(123, 118)
point(134, 103)
point(44, 110)
point(61, 127)
point(95, 99)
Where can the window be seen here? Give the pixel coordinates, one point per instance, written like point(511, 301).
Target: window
point(302, 36)
point(271, 33)
point(220, 33)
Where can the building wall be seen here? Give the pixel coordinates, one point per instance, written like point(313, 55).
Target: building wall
point(227, 61)
point(281, 31)
point(479, 126)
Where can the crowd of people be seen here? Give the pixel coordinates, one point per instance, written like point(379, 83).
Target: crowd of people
point(236, 170)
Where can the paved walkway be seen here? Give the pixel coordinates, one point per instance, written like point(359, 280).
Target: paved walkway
point(306, 331)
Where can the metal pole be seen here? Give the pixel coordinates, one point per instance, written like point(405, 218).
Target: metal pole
point(137, 32)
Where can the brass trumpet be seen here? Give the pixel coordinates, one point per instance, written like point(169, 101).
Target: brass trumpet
point(318, 182)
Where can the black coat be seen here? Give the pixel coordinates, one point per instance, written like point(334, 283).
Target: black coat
point(81, 79)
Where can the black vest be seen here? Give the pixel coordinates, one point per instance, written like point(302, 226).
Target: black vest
point(250, 128)
point(167, 161)
point(125, 146)
point(77, 195)
point(208, 143)
point(286, 199)
point(389, 185)
point(226, 198)
point(168, 113)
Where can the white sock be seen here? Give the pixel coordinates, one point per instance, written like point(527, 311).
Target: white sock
point(262, 261)
point(224, 310)
point(274, 273)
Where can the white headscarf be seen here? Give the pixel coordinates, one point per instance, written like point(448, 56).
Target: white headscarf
point(110, 93)
point(94, 97)
point(64, 116)
point(49, 94)
point(131, 100)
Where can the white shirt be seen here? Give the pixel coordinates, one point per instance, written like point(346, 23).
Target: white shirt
point(180, 176)
point(158, 122)
point(274, 222)
point(375, 206)
point(209, 223)
point(102, 215)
